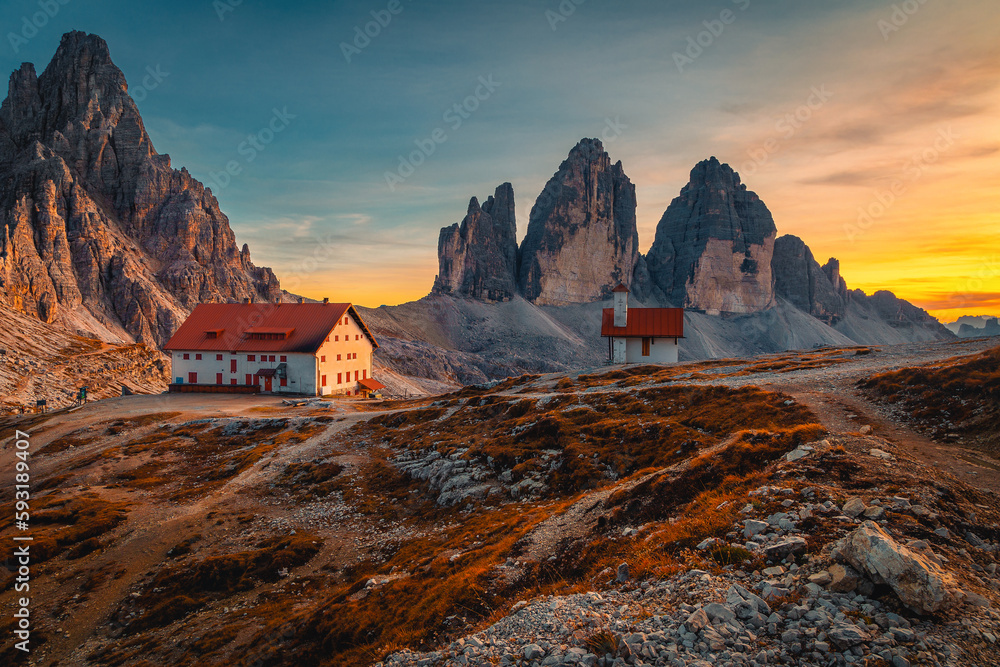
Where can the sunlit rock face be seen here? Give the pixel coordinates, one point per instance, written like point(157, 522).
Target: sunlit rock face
point(714, 245)
point(582, 240)
point(97, 231)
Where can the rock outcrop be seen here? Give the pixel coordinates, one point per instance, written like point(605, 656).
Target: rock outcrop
point(582, 239)
point(99, 233)
point(919, 582)
point(799, 278)
point(714, 244)
point(478, 258)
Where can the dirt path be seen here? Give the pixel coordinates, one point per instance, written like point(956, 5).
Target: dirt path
point(844, 410)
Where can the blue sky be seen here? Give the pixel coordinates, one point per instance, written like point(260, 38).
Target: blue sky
point(880, 93)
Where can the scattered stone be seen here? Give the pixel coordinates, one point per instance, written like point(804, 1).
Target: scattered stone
point(854, 507)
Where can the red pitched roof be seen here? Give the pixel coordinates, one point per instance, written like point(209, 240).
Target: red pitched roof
point(306, 324)
point(645, 323)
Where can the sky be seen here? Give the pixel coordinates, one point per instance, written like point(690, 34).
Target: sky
point(353, 131)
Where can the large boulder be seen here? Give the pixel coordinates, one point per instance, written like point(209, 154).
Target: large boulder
point(920, 583)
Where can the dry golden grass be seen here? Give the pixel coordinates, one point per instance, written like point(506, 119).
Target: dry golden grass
point(178, 589)
point(64, 522)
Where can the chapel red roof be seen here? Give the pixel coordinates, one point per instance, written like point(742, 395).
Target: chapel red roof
point(645, 323)
point(262, 327)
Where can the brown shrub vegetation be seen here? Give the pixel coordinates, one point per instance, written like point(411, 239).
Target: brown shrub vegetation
point(958, 394)
point(60, 522)
point(178, 589)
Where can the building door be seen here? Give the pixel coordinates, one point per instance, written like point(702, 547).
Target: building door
point(645, 347)
point(267, 383)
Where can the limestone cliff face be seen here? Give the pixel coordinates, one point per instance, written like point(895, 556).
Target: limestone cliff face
point(714, 244)
point(478, 258)
point(97, 231)
point(582, 239)
point(798, 277)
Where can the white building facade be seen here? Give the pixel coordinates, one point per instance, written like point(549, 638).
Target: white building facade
point(310, 349)
point(641, 335)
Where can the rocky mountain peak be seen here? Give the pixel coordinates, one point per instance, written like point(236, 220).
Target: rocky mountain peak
point(478, 257)
point(100, 233)
point(582, 239)
point(714, 244)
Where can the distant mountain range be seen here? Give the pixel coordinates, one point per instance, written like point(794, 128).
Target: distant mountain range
point(101, 236)
point(498, 308)
point(975, 326)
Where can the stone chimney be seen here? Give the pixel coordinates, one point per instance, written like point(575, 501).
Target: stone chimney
point(621, 305)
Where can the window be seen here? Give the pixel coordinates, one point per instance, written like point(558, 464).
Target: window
point(645, 347)
point(218, 357)
point(322, 359)
point(193, 378)
point(324, 381)
point(218, 378)
point(284, 358)
point(249, 379)
point(267, 336)
point(251, 357)
point(232, 366)
point(338, 357)
point(340, 379)
point(284, 382)
point(197, 357)
point(187, 356)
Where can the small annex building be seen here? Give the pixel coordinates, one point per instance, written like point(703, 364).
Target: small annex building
point(641, 335)
point(314, 349)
